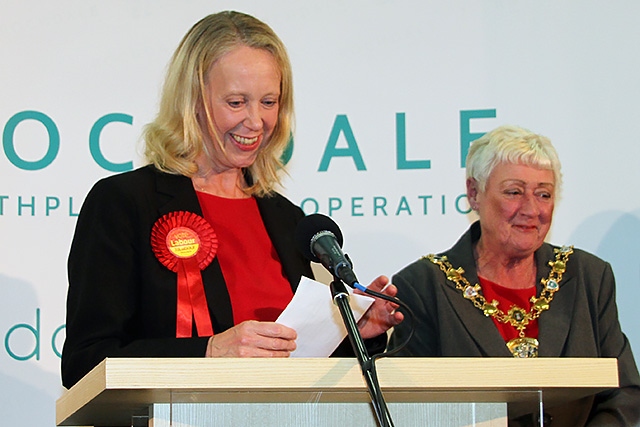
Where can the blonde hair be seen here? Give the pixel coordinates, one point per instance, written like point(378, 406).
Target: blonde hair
point(511, 144)
point(174, 139)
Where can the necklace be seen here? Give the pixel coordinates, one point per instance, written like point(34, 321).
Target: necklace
point(517, 317)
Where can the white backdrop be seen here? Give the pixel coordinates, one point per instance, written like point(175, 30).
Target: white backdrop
point(373, 78)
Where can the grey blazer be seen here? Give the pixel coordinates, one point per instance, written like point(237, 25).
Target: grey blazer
point(582, 322)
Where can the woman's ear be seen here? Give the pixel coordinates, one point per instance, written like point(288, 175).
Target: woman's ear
point(200, 109)
point(472, 193)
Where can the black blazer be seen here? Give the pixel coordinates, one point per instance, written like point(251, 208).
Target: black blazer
point(582, 321)
point(121, 300)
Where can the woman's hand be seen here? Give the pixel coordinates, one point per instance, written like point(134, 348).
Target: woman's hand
point(253, 339)
point(381, 316)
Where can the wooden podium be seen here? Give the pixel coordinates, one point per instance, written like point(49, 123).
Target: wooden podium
point(323, 392)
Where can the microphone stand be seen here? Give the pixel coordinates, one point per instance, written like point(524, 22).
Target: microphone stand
point(367, 366)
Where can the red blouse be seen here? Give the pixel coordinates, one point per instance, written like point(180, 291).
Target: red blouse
point(508, 297)
point(256, 283)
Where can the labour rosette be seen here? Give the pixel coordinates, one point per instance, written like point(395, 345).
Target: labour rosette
point(185, 243)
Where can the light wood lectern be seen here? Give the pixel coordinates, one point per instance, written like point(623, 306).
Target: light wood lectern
point(324, 392)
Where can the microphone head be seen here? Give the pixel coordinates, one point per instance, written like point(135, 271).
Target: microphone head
point(308, 227)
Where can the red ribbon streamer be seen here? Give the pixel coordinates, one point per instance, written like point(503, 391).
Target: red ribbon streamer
point(186, 244)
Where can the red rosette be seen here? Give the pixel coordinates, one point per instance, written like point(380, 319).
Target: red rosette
point(162, 229)
point(185, 243)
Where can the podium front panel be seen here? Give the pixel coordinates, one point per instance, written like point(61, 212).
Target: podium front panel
point(326, 414)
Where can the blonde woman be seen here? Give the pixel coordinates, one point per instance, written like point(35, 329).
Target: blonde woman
point(193, 255)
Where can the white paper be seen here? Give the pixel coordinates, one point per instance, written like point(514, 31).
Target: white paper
point(317, 320)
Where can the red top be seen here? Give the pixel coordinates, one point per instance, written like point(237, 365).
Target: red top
point(252, 271)
point(508, 297)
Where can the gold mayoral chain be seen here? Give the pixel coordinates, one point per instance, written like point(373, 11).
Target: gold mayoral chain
point(517, 317)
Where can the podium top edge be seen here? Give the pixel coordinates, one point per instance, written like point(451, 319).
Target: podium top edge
point(148, 380)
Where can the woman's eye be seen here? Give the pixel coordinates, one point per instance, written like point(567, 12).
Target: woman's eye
point(235, 104)
point(269, 102)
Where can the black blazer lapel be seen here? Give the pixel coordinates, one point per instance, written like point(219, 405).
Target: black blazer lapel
point(176, 193)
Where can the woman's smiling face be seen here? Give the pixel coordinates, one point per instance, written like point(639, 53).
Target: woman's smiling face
point(243, 91)
point(515, 209)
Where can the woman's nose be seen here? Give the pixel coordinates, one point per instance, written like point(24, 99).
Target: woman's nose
point(530, 205)
point(253, 120)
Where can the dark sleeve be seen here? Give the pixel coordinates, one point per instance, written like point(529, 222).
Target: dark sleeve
point(618, 407)
point(108, 263)
point(374, 345)
point(414, 287)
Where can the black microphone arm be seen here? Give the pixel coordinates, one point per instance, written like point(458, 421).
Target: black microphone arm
point(320, 239)
point(367, 364)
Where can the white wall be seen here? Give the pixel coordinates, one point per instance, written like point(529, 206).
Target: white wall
point(564, 69)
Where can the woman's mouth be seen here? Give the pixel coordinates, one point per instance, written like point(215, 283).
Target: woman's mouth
point(243, 140)
point(526, 227)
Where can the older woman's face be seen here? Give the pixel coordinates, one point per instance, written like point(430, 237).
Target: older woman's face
point(515, 209)
point(243, 92)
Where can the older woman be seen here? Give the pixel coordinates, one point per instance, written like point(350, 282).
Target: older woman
point(193, 255)
point(507, 293)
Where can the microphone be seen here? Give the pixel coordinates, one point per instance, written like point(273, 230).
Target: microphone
point(319, 238)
